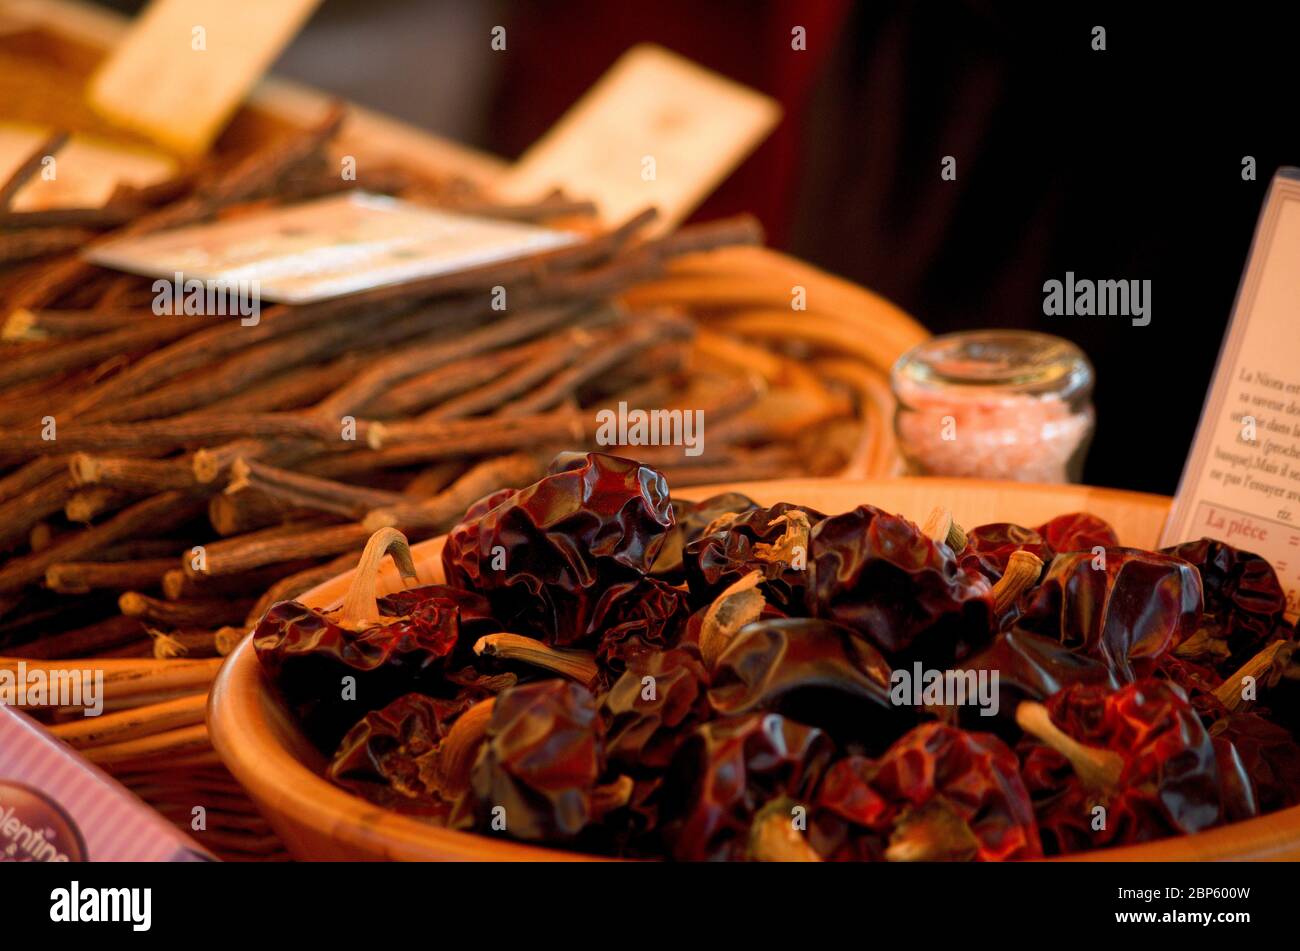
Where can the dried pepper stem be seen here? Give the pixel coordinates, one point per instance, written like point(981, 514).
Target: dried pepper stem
point(738, 605)
point(1023, 569)
point(953, 534)
point(610, 796)
point(793, 541)
point(460, 746)
point(935, 832)
point(360, 606)
point(1271, 659)
point(1098, 769)
point(774, 838)
point(575, 664)
point(941, 527)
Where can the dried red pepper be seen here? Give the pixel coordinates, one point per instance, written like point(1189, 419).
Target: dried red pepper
point(1125, 607)
point(937, 793)
point(390, 755)
point(691, 519)
point(388, 646)
point(1029, 667)
point(727, 771)
point(1268, 754)
point(772, 540)
point(880, 575)
point(814, 672)
point(536, 773)
point(1078, 531)
point(651, 708)
point(1120, 766)
point(546, 557)
point(988, 547)
point(635, 618)
point(1244, 605)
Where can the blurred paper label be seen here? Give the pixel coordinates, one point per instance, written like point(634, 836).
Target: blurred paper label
point(186, 65)
point(85, 173)
point(655, 130)
point(1241, 484)
point(328, 247)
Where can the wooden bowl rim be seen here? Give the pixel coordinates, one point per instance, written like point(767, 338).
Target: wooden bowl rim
point(276, 779)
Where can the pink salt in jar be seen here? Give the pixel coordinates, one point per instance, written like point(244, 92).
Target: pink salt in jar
point(994, 404)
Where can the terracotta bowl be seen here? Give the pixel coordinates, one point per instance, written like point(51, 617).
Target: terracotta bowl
point(283, 773)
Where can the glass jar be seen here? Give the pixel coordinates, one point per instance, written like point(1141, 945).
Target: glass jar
point(994, 404)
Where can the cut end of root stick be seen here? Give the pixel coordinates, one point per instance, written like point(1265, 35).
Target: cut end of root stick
point(132, 604)
point(19, 326)
point(239, 475)
point(84, 469)
point(205, 466)
point(228, 638)
point(165, 647)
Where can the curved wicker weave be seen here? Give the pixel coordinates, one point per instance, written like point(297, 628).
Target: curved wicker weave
point(840, 344)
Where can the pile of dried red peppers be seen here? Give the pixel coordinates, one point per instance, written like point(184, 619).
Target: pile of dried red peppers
point(610, 670)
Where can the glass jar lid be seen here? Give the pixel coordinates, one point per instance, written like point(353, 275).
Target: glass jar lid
point(1003, 361)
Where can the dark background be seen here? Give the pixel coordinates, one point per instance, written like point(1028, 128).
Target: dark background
point(1122, 164)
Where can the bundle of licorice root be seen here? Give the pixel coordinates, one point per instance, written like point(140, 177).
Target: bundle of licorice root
point(164, 479)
